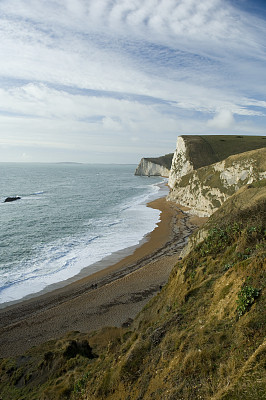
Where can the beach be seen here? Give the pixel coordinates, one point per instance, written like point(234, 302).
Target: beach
point(110, 297)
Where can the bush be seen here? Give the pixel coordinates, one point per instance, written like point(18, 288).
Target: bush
point(246, 298)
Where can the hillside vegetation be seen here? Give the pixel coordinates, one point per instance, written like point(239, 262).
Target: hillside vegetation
point(201, 337)
point(209, 149)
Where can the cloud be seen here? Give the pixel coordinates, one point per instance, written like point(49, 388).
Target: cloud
point(107, 71)
point(224, 119)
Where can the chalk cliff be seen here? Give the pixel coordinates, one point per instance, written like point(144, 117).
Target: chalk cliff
point(159, 166)
point(193, 152)
point(205, 189)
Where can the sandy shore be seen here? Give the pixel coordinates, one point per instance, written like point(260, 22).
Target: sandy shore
point(110, 297)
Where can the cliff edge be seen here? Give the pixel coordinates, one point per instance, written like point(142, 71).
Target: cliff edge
point(206, 189)
point(193, 152)
point(159, 166)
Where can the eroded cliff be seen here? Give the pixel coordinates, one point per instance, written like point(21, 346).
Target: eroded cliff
point(193, 152)
point(206, 189)
point(159, 166)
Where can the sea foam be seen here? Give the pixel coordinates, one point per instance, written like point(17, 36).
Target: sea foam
point(110, 225)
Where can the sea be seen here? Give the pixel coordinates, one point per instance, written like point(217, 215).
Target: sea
point(70, 217)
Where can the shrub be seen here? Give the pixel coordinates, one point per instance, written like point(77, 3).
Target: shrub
point(246, 298)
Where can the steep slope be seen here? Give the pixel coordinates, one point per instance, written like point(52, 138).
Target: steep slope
point(242, 199)
point(206, 188)
point(201, 337)
point(159, 166)
point(193, 152)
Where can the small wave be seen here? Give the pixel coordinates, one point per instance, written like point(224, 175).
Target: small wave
point(109, 228)
point(113, 223)
point(18, 286)
point(91, 239)
point(104, 222)
point(36, 193)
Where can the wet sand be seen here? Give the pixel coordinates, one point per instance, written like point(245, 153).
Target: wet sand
point(110, 297)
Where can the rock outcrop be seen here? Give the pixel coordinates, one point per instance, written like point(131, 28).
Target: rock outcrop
point(205, 189)
point(193, 152)
point(159, 166)
point(9, 199)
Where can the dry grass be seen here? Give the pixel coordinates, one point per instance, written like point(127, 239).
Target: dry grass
point(189, 342)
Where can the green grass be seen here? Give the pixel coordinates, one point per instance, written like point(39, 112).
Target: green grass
point(224, 146)
point(209, 149)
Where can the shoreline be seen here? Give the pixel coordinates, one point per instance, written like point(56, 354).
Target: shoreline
point(96, 266)
point(110, 296)
point(95, 270)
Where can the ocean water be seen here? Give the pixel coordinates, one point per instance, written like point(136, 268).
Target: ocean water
point(70, 216)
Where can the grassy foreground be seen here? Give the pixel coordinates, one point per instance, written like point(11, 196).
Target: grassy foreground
point(201, 337)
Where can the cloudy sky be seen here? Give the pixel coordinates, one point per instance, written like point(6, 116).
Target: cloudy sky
point(115, 80)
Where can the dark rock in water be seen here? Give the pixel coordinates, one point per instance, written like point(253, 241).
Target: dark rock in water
point(9, 199)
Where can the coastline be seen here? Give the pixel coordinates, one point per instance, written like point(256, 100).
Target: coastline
point(68, 259)
point(111, 296)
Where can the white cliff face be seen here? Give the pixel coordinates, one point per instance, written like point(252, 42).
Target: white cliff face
point(180, 164)
point(205, 189)
point(147, 168)
point(202, 200)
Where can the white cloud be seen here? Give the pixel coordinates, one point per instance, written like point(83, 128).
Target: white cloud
point(148, 67)
point(109, 124)
point(224, 119)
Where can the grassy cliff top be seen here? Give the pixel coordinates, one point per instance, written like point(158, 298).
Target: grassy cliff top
point(209, 149)
point(201, 337)
point(165, 161)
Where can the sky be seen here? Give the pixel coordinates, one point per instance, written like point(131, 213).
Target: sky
point(112, 81)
